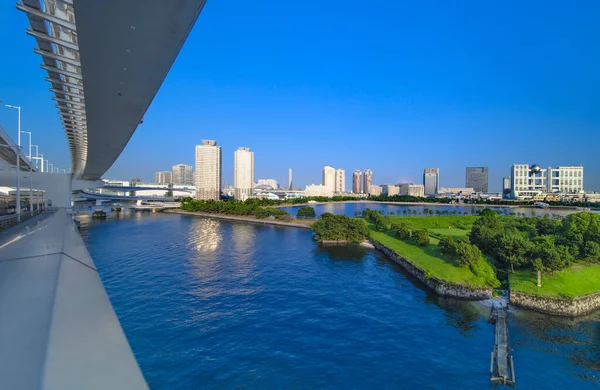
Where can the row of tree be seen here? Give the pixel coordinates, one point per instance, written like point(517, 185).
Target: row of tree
point(232, 207)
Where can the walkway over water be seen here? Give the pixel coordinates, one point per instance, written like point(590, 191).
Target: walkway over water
point(501, 367)
point(59, 330)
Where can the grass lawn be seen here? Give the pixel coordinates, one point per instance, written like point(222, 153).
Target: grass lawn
point(428, 258)
point(579, 279)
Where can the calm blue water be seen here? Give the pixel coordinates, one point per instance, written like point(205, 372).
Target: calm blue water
point(355, 208)
point(210, 304)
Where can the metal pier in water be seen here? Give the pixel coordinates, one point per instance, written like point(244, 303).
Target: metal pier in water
point(502, 368)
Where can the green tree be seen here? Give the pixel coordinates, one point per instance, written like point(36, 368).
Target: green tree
point(591, 250)
point(306, 212)
point(380, 225)
point(468, 254)
point(402, 231)
point(448, 245)
point(513, 248)
point(421, 237)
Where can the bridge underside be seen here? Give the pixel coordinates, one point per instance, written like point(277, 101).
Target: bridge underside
point(105, 67)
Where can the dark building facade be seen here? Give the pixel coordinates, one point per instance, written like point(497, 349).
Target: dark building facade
point(477, 178)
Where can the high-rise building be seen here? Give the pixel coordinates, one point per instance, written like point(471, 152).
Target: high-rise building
point(164, 177)
point(183, 175)
point(477, 178)
point(340, 181)
point(431, 180)
point(329, 177)
point(506, 187)
point(208, 171)
point(290, 179)
point(367, 181)
point(243, 175)
point(357, 182)
point(529, 181)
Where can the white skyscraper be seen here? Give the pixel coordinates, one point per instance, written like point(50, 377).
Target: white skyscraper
point(243, 175)
point(340, 181)
point(329, 178)
point(208, 171)
point(183, 175)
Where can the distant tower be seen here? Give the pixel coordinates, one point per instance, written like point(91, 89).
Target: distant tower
point(329, 178)
point(243, 175)
point(431, 180)
point(340, 181)
point(290, 178)
point(477, 178)
point(208, 171)
point(357, 182)
point(367, 181)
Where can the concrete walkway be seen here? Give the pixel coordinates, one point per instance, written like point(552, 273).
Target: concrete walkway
point(58, 329)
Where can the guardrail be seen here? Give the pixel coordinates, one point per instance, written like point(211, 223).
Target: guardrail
point(12, 219)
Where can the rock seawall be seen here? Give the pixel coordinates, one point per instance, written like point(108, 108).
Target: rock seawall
point(433, 283)
point(557, 306)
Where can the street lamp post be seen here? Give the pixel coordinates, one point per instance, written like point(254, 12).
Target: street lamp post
point(18, 152)
point(28, 132)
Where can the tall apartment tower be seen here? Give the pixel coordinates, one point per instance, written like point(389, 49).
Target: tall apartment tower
point(367, 181)
point(208, 171)
point(431, 180)
point(183, 175)
point(243, 175)
point(340, 181)
point(290, 178)
point(329, 178)
point(477, 178)
point(357, 182)
point(165, 177)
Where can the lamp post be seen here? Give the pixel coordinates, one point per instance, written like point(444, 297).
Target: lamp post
point(18, 152)
point(28, 132)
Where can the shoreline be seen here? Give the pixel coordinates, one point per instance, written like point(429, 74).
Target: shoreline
point(564, 307)
point(438, 286)
point(235, 218)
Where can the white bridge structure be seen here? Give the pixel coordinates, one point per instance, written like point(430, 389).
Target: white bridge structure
point(105, 61)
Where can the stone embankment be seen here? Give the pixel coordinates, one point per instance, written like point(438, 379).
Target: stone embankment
point(568, 307)
point(266, 221)
point(441, 287)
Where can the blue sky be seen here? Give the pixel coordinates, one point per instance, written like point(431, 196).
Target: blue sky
point(390, 85)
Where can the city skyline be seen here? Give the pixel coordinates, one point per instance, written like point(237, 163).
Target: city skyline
point(410, 103)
